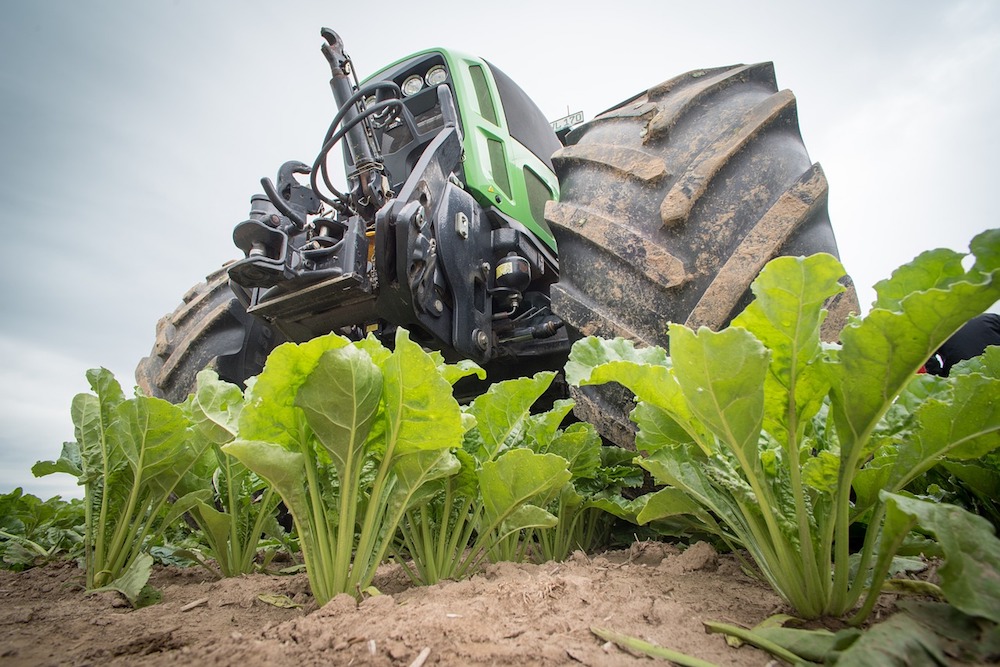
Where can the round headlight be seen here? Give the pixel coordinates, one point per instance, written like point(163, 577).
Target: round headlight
point(412, 85)
point(436, 75)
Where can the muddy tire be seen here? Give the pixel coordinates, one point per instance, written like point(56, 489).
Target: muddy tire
point(672, 202)
point(210, 329)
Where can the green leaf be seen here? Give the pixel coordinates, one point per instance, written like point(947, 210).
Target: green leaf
point(620, 507)
point(722, 377)
point(676, 468)
point(786, 317)
point(754, 639)
point(340, 400)
point(92, 417)
point(970, 576)
point(900, 640)
point(69, 462)
point(663, 414)
point(962, 424)
point(132, 581)
point(421, 412)
point(214, 409)
point(416, 469)
point(645, 371)
point(270, 414)
point(452, 373)
point(669, 502)
point(216, 525)
point(980, 478)
point(502, 412)
point(967, 426)
point(284, 470)
point(520, 476)
point(545, 426)
point(184, 504)
point(882, 352)
point(636, 644)
point(933, 269)
point(18, 557)
point(660, 428)
point(822, 472)
point(988, 364)
point(153, 436)
point(148, 596)
point(422, 466)
point(580, 445)
point(466, 480)
point(592, 352)
point(614, 477)
point(975, 640)
point(986, 248)
point(528, 516)
point(813, 645)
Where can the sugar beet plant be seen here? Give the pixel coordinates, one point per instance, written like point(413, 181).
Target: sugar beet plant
point(526, 487)
point(144, 463)
point(763, 432)
point(234, 507)
point(494, 494)
point(35, 531)
point(587, 505)
point(350, 434)
point(582, 505)
point(129, 455)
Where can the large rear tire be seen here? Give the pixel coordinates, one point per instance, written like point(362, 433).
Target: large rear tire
point(672, 202)
point(210, 329)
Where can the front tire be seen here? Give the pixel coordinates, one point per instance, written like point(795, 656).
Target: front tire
point(210, 329)
point(671, 204)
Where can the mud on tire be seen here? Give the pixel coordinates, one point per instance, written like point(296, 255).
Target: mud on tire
point(672, 202)
point(210, 329)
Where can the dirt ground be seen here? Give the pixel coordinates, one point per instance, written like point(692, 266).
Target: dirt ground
point(508, 615)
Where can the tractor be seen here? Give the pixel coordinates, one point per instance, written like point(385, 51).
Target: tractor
point(489, 236)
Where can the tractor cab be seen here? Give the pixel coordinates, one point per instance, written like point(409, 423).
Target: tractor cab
point(507, 141)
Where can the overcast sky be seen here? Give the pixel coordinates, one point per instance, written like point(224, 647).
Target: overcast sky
point(133, 134)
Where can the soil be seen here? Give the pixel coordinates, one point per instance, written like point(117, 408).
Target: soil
point(509, 614)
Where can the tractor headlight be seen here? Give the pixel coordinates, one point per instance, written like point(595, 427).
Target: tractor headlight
point(436, 75)
point(412, 85)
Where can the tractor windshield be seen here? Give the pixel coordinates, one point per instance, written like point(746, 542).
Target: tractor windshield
point(525, 120)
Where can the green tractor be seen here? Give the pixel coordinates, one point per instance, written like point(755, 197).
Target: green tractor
point(467, 220)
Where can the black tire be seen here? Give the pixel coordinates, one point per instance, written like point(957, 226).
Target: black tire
point(672, 202)
point(210, 329)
